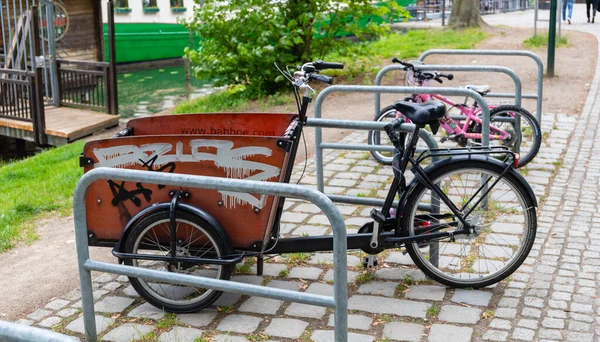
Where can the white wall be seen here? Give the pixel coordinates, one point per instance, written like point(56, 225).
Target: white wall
point(164, 15)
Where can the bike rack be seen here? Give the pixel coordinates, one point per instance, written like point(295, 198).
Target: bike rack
point(523, 53)
point(318, 122)
point(339, 301)
point(14, 332)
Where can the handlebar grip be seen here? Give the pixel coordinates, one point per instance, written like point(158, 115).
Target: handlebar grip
point(321, 78)
point(396, 60)
point(408, 65)
point(320, 65)
point(439, 80)
point(448, 76)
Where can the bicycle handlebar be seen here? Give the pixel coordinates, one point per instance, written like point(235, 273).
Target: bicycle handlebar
point(434, 75)
point(320, 65)
point(321, 78)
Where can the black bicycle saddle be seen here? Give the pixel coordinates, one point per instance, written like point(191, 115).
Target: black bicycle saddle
point(428, 113)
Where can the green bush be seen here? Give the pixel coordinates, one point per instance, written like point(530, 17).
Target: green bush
point(241, 39)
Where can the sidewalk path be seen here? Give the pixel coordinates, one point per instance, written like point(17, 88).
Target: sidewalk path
point(551, 297)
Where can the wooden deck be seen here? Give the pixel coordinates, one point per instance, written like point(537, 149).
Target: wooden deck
point(63, 125)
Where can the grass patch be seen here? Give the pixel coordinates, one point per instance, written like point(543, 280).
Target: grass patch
point(361, 60)
point(168, 321)
point(365, 277)
point(541, 40)
point(433, 311)
point(36, 185)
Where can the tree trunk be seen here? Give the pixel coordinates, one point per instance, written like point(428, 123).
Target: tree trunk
point(465, 13)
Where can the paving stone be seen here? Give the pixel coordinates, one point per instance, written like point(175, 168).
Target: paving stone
point(305, 272)
point(228, 338)
point(472, 297)
point(147, 310)
point(271, 270)
point(327, 258)
point(261, 305)
point(550, 334)
point(401, 331)
point(495, 335)
point(293, 217)
point(501, 324)
point(523, 334)
point(400, 274)
point(427, 292)
point(50, 322)
point(113, 304)
point(24, 321)
point(351, 276)
point(180, 334)
point(528, 323)
point(227, 299)
point(505, 313)
point(39, 314)
point(579, 326)
point(286, 285)
point(101, 324)
point(328, 336)
point(446, 332)
point(308, 208)
point(198, 319)
point(308, 230)
point(378, 288)
point(73, 295)
point(553, 323)
point(127, 332)
point(358, 322)
point(130, 292)
point(112, 286)
point(459, 314)
point(239, 323)
point(579, 337)
point(286, 327)
point(104, 278)
point(248, 279)
point(57, 304)
point(393, 306)
point(68, 312)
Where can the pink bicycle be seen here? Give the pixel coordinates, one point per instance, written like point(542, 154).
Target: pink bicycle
point(510, 126)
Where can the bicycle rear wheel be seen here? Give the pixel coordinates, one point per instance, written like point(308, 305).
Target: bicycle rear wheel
point(387, 114)
point(504, 229)
point(528, 142)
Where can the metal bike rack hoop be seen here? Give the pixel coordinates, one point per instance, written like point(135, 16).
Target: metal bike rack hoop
point(485, 129)
point(465, 68)
point(14, 332)
point(339, 301)
point(524, 53)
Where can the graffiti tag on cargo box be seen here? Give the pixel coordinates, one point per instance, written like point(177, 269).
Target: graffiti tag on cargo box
point(156, 157)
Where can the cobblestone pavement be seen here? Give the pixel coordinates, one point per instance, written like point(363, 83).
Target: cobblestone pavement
point(551, 297)
point(395, 302)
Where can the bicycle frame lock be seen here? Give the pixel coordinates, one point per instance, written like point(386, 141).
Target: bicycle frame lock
point(523, 53)
point(317, 122)
point(465, 68)
point(339, 301)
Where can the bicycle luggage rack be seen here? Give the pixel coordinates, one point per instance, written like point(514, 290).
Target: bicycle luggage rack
point(339, 301)
point(522, 53)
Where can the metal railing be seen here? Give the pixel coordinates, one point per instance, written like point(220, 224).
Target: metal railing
point(84, 84)
point(524, 53)
point(369, 125)
point(19, 100)
point(339, 301)
point(14, 332)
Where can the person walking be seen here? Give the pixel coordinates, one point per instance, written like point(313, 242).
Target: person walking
point(594, 6)
point(567, 5)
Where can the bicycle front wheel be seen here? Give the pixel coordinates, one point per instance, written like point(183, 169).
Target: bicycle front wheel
point(504, 224)
point(526, 140)
point(195, 238)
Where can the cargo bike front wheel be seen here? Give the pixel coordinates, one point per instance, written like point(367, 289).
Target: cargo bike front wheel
point(196, 238)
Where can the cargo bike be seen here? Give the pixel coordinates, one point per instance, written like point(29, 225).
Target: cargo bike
point(468, 219)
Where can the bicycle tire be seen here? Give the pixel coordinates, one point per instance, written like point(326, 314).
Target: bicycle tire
point(156, 294)
point(374, 137)
point(470, 271)
point(536, 134)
